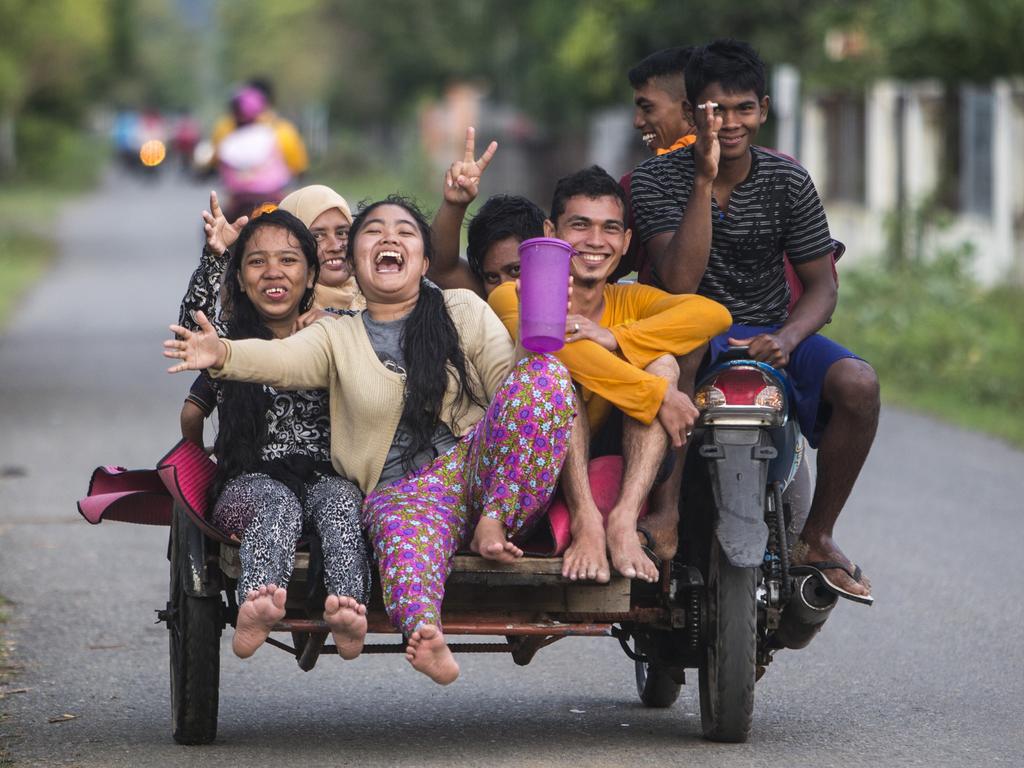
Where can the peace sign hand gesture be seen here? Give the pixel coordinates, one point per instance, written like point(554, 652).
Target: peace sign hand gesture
point(462, 179)
point(219, 233)
point(196, 349)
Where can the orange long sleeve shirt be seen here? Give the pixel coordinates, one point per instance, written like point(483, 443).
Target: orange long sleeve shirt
point(647, 323)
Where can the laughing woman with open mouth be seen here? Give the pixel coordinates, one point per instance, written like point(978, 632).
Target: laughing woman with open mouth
point(274, 473)
point(458, 443)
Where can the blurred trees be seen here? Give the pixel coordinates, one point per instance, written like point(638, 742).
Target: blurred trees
point(560, 60)
point(51, 58)
point(374, 62)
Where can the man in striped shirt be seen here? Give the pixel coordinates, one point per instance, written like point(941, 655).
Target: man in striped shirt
point(717, 219)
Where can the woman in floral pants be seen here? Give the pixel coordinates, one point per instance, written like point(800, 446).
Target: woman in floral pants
point(506, 469)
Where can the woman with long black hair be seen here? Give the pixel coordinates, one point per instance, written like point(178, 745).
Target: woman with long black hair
point(459, 444)
point(274, 474)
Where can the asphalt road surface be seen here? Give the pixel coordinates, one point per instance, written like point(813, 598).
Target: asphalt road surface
point(932, 675)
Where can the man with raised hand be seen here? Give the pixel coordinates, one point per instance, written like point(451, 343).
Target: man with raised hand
point(717, 219)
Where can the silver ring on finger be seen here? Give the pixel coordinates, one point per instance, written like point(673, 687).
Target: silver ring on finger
point(576, 328)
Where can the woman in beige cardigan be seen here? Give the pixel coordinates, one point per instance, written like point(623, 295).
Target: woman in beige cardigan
point(455, 443)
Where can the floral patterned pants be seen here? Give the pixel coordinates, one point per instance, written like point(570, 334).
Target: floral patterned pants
point(505, 468)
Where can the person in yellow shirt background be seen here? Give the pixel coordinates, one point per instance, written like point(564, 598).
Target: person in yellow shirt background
point(623, 342)
point(288, 136)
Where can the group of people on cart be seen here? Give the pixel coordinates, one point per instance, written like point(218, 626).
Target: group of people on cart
point(371, 386)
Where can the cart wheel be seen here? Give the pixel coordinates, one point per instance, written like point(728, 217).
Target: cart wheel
point(728, 669)
point(654, 685)
point(195, 625)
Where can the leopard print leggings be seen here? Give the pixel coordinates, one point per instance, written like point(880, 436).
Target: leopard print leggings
point(270, 520)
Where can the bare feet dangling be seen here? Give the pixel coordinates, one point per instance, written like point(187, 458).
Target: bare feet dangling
point(587, 557)
point(627, 556)
point(489, 541)
point(429, 653)
point(347, 620)
point(262, 609)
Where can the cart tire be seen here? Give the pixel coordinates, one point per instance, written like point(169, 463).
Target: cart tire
point(194, 629)
point(655, 686)
point(728, 670)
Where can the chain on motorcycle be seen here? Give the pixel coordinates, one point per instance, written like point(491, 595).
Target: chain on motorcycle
point(772, 566)
point(693, 619)
point(783, 540)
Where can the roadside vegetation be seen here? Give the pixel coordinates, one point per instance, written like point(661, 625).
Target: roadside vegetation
point(6, 672)
point(941, 343)
point(29, 206)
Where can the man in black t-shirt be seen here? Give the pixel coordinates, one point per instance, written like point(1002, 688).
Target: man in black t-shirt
point(717, 219)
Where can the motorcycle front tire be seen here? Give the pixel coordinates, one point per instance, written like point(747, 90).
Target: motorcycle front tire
point(728, 670)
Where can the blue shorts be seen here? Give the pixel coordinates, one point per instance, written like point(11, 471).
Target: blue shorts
point(806, 371)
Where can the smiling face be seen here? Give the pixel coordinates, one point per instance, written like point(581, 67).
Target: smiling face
point(742, 117)
point(596, 229)
point(274, 274)
point(331, 230)
point(389, 255)
point(659, 115)
point(501, 263)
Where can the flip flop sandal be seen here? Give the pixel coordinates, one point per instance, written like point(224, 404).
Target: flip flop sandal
point(648, 546)
point(819, 568)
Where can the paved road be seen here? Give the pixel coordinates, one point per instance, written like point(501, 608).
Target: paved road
point(932, 675)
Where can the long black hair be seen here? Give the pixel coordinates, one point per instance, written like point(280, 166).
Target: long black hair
point(430, 343)
point(243, 407)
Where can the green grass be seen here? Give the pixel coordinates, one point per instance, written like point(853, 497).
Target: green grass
point(27, 217)
point(941, 344)
point(6, 672)
point(56, 162)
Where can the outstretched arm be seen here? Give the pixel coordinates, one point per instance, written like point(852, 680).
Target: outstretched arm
point(461, 186)
point(304, 360)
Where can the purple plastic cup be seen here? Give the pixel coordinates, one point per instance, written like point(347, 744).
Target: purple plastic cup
point(543, 293)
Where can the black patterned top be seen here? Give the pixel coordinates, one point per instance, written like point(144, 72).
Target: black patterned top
point(774, 211)
point(298, 422)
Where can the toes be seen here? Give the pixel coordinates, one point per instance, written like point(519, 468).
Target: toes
point(279, 598)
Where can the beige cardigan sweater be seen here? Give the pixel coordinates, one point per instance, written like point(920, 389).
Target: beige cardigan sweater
point(365, 397)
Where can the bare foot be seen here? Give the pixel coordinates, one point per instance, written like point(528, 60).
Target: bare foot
point(262, 609)
point(587, 556)
point(489, 541)
point(627, 556)
point(347, 619)
point(429, 653)
point(823, 548)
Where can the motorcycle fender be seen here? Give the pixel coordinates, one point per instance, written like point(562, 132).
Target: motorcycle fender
point(738, 465)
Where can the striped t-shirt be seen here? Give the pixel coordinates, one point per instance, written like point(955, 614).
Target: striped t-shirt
point(774, 211)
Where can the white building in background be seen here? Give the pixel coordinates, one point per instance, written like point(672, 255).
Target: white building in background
point(876, 153)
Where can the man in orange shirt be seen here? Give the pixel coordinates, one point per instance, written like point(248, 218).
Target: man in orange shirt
point(622, 346)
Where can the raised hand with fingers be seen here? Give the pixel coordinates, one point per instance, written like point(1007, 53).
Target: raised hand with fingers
point(707, 151)
point(197, 350)
point(220, 234)
point(462, 179)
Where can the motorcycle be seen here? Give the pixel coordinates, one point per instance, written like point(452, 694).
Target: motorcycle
point(732, 578)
